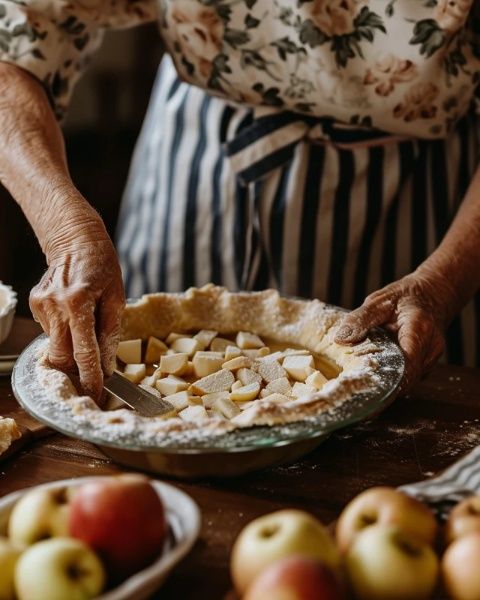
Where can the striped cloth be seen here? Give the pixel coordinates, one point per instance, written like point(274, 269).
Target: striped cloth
point(252, 199)
point(457, 482)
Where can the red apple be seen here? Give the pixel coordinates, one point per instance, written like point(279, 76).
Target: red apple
point(296, 578)
point(464, 518)
point(122, 518)
point(389, 507)
point(460, 567)
point(275, 536)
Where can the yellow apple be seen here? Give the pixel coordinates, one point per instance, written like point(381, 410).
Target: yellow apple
point(57, 569)
point(39, 513)
point(464, 518)
point(390, 507)
point(385, 563)
point(460, 567)
point(9, 553)
point(278, 535)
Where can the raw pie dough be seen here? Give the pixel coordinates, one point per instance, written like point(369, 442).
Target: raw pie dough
point(292, 323)
point(9, 432)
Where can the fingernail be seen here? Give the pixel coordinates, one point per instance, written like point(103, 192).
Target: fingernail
point(344, 332)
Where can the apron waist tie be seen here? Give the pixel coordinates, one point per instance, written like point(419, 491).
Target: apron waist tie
point(269, 141)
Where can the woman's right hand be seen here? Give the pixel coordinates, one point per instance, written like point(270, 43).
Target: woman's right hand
point(80, 298)
point(79, 302)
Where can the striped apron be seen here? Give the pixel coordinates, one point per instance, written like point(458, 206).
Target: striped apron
point(222, 193)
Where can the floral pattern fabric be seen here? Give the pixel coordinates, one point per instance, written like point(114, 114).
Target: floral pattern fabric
point(408, 67)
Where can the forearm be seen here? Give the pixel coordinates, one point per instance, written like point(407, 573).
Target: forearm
point(33, 164)
point(456, 261)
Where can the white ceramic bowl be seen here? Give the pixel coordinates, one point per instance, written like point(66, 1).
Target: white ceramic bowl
point(8, 303)
point(183, 518)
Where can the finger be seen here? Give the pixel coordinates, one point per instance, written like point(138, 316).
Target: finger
point(355, 326)
point(437, 348)
point(413, 339)
point(41, 302)
point(60, 351)
point(85, 348)
point(38, 306)
point(391, 327)
point(108, 330)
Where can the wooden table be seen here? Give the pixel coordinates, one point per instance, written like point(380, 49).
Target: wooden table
point(416, 437)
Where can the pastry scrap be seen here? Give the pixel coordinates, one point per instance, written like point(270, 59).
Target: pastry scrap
point(9, 432)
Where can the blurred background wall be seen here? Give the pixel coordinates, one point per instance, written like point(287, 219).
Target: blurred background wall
point(103, 123)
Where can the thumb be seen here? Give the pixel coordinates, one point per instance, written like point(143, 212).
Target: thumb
point(355, 326)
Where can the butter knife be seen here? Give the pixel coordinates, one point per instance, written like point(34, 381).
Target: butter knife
point(135, 397)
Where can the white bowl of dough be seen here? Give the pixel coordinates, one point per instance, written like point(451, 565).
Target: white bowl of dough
point(8, 303)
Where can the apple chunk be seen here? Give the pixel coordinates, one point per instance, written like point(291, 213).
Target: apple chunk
point(135, 373)
point(175, 364)
point(130, 351)
point(155, 348)
point(299, 367)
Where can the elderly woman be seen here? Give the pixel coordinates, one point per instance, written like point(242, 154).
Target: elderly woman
point(324, 147)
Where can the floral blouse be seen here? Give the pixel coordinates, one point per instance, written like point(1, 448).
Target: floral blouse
point(408, 67)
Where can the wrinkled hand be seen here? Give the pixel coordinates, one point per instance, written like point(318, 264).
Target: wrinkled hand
point(79, 302)
point(416, 309)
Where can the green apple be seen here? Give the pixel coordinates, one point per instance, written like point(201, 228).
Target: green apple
point(278, 535)
point(59, 569)
point(9, 553)
point(40, 513)
point(385, 563)
point(390, 507)
point(460, 571)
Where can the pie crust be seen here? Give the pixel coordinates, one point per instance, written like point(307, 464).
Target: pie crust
point(309, 324)
point(9, 432)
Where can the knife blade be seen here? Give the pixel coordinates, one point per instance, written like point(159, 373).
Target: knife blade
point(135, 397)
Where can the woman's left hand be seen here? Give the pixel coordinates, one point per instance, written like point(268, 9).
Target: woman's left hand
point(416, 309)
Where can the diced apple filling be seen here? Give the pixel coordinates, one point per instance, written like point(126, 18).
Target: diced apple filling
point(204, 375)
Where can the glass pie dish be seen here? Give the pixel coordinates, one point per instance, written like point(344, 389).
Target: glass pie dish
point(214, 452)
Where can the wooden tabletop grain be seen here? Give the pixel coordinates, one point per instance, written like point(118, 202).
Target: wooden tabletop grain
point(416, 437)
